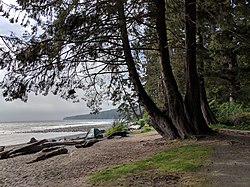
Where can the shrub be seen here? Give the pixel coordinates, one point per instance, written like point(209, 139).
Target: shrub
point(115, 128)
point(144, 121)
point(230, 113)
point(146, 128)
point(141, 122)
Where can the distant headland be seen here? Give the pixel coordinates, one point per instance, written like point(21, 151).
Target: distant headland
point(109, 114)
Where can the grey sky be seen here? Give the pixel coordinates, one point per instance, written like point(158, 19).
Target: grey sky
point(38, 107)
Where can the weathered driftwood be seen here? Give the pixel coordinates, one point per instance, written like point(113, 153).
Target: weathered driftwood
point(27, 149)
point(86, 143)
point(5, 154)
point(120, 133)
point(52, 144)
point(2, 148)
point(45, 146)
point(31, 148)
point(50, 154)
point(33, 140)
point(45, 150)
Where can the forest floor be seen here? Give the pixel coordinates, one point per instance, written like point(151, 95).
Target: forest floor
point(228, 165)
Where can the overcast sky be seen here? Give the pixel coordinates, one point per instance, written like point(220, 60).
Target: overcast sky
point(38, 107)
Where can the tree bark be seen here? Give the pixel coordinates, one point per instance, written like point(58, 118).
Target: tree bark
point(183, 118)
point(176, 109)
point(164, 127)
point(205, 108)
point(192, 97)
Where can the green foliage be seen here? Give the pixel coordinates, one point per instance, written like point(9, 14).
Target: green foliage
point(229, 111)
point(141, 122)
point(144, 121)
point(231, 114)
point(243, 127)
point(146, 128)
point(179, 159)
point(116, 128)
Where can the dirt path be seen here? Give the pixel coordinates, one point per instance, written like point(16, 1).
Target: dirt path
point(230, 162)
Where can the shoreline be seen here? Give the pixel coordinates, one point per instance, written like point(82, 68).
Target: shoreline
point(79, 132)
point(82, 128)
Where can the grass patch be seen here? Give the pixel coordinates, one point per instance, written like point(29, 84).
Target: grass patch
point(179, 159)
point(235, 127)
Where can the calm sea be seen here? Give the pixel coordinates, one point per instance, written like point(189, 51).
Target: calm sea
point(12, 133)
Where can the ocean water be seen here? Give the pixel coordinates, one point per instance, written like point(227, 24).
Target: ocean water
point(12, 133)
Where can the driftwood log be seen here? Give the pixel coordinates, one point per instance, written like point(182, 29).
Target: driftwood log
point(5, 154)
point(52, 144)
point(120, 133)
point(86, 143)
point(2, 148)
point(50, 154)
point(45, 147)
point(27, 149)
point(45, 150)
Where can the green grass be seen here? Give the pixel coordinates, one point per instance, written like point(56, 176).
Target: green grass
point(235, 127)
point(179, 159)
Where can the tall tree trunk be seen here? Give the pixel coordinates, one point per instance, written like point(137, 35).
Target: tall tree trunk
point(161, 122)
point(192, 98)
point(176, 110)
point(205, 108)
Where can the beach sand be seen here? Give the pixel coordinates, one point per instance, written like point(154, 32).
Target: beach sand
point(71, 169)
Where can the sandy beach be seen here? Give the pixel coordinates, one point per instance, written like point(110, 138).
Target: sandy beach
point(230, 159)
point(71, 169)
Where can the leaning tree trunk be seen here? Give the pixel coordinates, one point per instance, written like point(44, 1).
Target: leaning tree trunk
point(176, 110)
point(192, 97)
point(161, 123)
point(205, 108)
